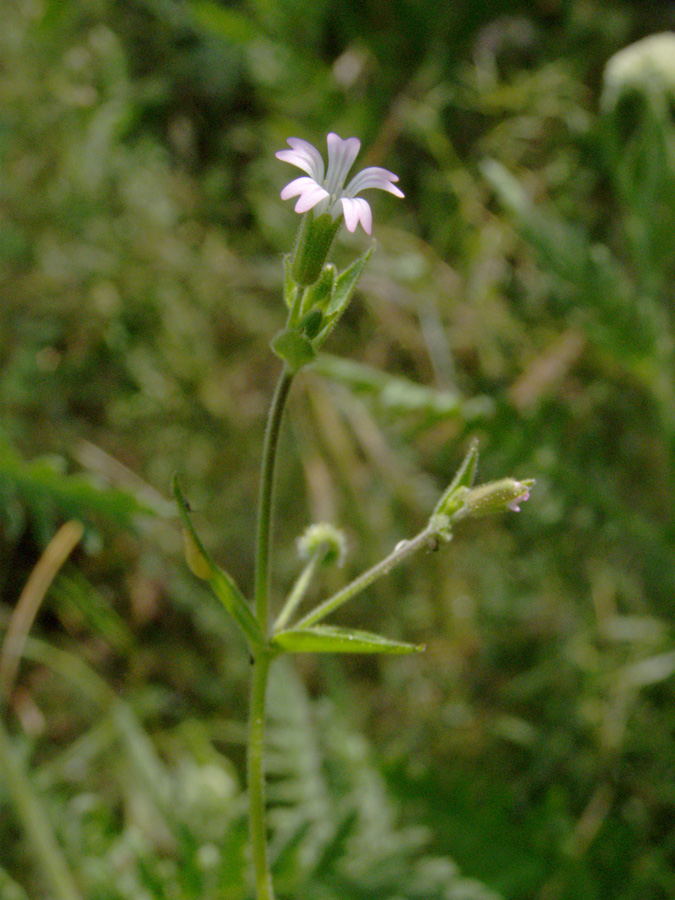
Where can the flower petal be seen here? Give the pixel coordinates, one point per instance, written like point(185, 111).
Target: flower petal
point(341, 156)
point(329, 195)
point(373, 177)
point(305, 156)
point(309, 192)
point(355, 211)
point(515, 503)
point(297, 186)
point(310, 199)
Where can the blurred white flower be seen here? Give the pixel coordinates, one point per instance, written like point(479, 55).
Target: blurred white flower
point(324, 191)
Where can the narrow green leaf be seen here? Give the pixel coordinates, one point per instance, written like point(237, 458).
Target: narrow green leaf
point(453, 496)
point(320, 294)
point(394, 395)
point(342, 293)
point(329, 639)
point(294, 348)
point(222, 584)
point(310, 324)
point(290, 287)
point(347, 281)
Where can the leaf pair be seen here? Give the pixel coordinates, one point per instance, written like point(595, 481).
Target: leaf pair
point(315, 639)
point(318, 312)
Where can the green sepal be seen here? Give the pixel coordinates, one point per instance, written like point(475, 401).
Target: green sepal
point(290, 287)
point(320, 294)
point(342, 293)
point(311, 323)
point(453, 497)
point(294, 347)
point(222, 584)
point(312, 247)
point(497, 496)
point(329, 639)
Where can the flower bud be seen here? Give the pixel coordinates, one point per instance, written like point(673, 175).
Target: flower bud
point(324, 538)
point(495, 497)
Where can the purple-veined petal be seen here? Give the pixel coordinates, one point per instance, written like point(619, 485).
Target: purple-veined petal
point(305, 156)
point(355, 211)
point(341, 156)
point(373, 177)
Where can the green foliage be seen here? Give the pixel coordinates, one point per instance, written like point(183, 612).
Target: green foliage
point(43, 492)
point(391, 396)
point(523, 291)
point(336, 827)
point(294, 348)
point(329, 639)
point(172, 825)
point(221, 583)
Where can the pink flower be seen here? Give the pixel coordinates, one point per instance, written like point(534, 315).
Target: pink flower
point(324, 191)
point(521, 498)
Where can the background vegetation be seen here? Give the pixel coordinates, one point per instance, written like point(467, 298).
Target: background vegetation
point(523, 292)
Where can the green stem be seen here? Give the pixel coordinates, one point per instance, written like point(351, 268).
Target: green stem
point(401, 552)
point(264, 538)
point(262, 658)
point(256, 776)
point(299, 590)
point(35, 822)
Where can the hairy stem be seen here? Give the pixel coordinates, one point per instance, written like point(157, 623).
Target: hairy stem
point(256, 777)
point(401, 552)
point(264, 538)
point(262, 658)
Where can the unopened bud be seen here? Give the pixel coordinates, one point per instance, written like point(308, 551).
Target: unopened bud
point(323, 538)
point(495, 497)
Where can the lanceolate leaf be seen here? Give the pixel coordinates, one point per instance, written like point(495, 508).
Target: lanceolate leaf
point(342, 293)
point(453, 496)
point(222, 584)
point(329, 639)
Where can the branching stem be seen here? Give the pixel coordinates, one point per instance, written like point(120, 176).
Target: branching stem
point(401, 552)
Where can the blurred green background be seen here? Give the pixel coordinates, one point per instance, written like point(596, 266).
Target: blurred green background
point(523, 292)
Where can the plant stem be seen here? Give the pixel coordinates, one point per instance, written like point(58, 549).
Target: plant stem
point(401, 551)
point(262, 563)
point(256, 776)
point(262, 658)
point(298, 591)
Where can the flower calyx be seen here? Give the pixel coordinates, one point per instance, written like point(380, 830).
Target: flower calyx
point(325, 199)
point(461, 500)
